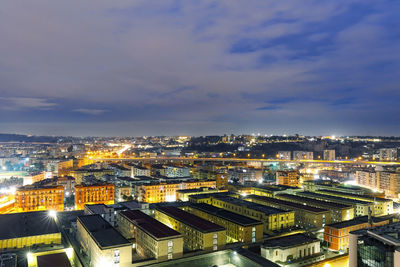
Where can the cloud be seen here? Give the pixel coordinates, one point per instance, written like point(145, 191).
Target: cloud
point(90, 111)
point(188, 61)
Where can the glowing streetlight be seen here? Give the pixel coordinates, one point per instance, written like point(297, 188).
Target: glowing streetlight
point(53, 214)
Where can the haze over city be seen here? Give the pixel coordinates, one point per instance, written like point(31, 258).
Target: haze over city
point(200, 67)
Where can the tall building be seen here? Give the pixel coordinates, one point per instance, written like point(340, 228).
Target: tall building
point(93, 194)
point(329, 154)
point(301, 155)
point(37, 197)
point(289, 178)
point(388, 154)
point(379, 246)
point(284, 155)
point(386, 181)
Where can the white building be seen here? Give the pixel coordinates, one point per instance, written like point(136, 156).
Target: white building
point(285, 155)
point(299, 155)
point(388, 154)
point(329, 154)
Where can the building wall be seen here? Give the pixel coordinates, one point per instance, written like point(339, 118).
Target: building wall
point(102, 257)
point(289, 178)
point(93, 194)
point(234, 232)
point(51, 198)
point(29, 241)
point(292, 253)
point(194, 239)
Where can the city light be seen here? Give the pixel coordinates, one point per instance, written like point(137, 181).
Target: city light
point(53, 214)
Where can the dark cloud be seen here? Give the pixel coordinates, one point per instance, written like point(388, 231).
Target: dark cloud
point(200, 67)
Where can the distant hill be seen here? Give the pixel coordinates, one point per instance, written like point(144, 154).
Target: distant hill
point(27, 138)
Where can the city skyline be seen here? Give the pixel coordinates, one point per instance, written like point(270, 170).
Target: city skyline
point(200, 68)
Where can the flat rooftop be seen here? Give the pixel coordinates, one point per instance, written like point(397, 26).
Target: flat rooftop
point(290, 241)
point(311, 201)
point(355, 195)
point(190, 219)
point(224, 214)
point(150, 225)
point(25, 224)
point(328, 197)
point(250, 205)
point(286, 203)
point(51, 260)
point(356, 221)
point(96, 208)
point(102, 232)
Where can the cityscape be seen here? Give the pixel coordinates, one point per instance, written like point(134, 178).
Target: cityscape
point(181, 133)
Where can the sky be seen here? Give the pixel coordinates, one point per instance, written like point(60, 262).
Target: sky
point(144, 67)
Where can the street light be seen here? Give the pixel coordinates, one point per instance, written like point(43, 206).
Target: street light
point(53, 214)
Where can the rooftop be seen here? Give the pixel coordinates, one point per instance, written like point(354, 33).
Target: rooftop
point(102, 232)
point(355, 221)
point(311, 201)
point(50, 260)
point(149, 225)
point(290, 241)
point(354, 195)
point(190, 219)
point(286, 203)
point(347, 200)
point(25, 224)
point(230, 216)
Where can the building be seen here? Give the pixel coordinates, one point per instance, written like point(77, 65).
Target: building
point(183, 195)
point(303, 155)
point(329, 154)
point(107, 212)
point(339, 212)
point(166, 191)
point(289, 178)
point(24, 230)
point(68, 182)
point(59, 257)
point(388, 154)
point(34, 178)
point(337, 234)
point(103, 245)
point(367, 178)
point(198, 234)
point(379, 246)
point(284, 155)
point(79, 174)
point(360, 207)
point(382, 206)
point(306, 216)
point(293, 250)
point(137, 170)
point(239, 228)
point(175, 171)
point(152, 238)
point(39, 196)
point(100, 193)
point(273, 218)
point(245, 175)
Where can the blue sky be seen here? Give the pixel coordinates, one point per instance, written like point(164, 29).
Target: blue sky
point(200, 67)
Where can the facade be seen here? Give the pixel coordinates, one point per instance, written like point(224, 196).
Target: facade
point(93, 194)
point(68, 182)
point(339, 212)
point(175, 171)
point(244, 175)
point(107, 212)
point(379, 246)
point(306, 216)
point(329, 154)
point(166, 192)
point(79, 174)
point(337, 234)
point(288, 178)
point(239, 228)
point(284, 155)
point(386, 181)
point(103, 245)
point(24, 230)
point(303, 155)
point(152, 238)
point(293, 250)
point(183, 195)
point(139, 171)
point(273, 218)
point(197, 233)
point(38, 197)
point(388, 154)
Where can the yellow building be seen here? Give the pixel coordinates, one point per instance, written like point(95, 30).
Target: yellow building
point(272, 218)
point(103, 245)
point(153, 239)
point(93, 194)
point(37, 197)
point(197, 233)
point(382, 206)
point(166, 192)
point(23, 230)
point(306, 216)
point(289, 178)
point(239, 228)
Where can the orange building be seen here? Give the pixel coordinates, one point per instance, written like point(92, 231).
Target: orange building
point(337, 234)
point(166, 192)
point(93, 194)
point(36, 197)
point(289, 178)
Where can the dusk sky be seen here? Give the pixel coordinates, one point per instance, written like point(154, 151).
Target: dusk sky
point(144, 67)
